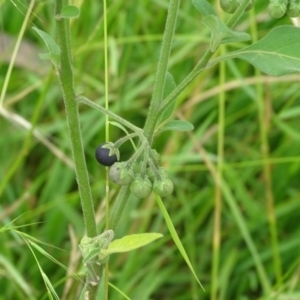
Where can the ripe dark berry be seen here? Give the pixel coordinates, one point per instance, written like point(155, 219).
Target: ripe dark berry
point(103, 157)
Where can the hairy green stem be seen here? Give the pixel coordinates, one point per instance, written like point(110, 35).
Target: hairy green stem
point(122, 140)
point(67, 84)
point(124, 122)
point(66, 79)
point(162, 67)
point(157, 105)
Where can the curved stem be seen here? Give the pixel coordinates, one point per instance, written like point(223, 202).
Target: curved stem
point(122, 140)
point(114, 116)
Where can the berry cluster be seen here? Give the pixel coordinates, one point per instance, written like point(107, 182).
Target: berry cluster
point(278, 8)
point(142, 176)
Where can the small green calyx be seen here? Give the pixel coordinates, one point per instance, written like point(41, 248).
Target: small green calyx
point(91, 247)
point(92, 256)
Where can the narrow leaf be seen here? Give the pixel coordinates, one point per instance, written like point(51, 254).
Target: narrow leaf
point(52, 56)
point(204, 7)
point(49, 286)
point(276, 54)
point(49, 41)
point(12, 272)
point(175, 237)
point(131, 242)
point(177, 125)
point(69, 11)
point(119, 291)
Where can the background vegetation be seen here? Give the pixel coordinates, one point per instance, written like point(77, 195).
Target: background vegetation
point(258, 119)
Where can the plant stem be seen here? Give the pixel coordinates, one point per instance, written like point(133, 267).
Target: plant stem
point(124, 122)
point(67, 84)
point(118, 207)
point(160, 77)
point(66, 79)
point(200, 65)
point(107, 202)
point(264, 127)
point(216, 242)
point(194, 73)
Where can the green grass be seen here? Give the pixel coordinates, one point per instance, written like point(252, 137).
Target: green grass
point(38, 183)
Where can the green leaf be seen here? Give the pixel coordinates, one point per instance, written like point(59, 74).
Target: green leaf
point(276, 54)
point(221, 34)
point(175, 237)
point(69, 11)
point(55, 58)
point(204, 7)
point(119, 291)
point(177, 125)
point(170, 85)
point(54, 51)
point(50, 43)
point(130, 242)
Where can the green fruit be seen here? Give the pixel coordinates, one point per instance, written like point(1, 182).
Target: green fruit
point(119, 174)
point(163, 187)
point(277, 8)
point(229, 6)
point(293, 10)
point(250, 5)
point(141, 187)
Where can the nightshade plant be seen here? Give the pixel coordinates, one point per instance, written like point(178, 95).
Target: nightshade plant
point(276, 54)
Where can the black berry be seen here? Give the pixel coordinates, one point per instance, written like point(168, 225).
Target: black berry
point(103, 157)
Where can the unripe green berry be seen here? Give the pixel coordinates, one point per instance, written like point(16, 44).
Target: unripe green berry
point(293, 10)
point(141, 187)
point(163, 187)
point(119, 174)
point(229, 6)
point(250, 5)
point(277, 8)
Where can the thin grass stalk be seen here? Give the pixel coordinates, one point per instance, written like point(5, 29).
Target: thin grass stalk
point(106, 136)
point(264, 126)
point(218, 193)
